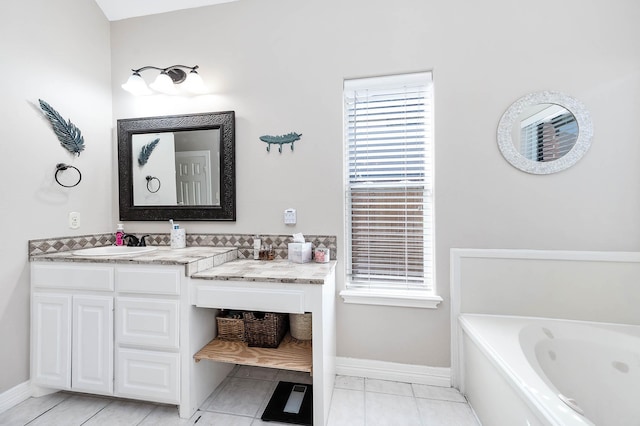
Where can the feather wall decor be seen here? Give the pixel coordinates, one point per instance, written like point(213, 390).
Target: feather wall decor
point(146, 151)
point(68, 134)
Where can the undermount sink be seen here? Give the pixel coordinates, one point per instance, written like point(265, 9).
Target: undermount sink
point(113, 251)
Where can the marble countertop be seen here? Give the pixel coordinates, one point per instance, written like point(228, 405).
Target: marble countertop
point(195, 259)
point(210, 263)
point(281, 271)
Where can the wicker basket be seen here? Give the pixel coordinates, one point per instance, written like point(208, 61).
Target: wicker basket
point(265, 330)
point(300, 326)
point(230, 328)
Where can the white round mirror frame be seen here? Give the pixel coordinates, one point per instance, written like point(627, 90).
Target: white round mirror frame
point(517, 160)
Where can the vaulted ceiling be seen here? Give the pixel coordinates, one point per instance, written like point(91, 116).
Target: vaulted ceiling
point(115, 10)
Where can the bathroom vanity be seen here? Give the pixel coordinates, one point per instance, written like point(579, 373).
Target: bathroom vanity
point(277, 286)
point(143, 326)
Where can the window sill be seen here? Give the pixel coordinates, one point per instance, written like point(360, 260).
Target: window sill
point(409, 299)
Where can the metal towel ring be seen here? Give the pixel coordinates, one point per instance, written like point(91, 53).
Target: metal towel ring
point(149, 180)
point(61, 167)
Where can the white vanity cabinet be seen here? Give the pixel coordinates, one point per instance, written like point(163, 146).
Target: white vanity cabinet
point(139, 327)
point(126, 330)
point(147, 333)
point(276, 286)
point(72, 328)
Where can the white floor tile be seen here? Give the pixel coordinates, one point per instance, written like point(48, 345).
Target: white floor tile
point(347, 408)
point(384, 410)
point(294, 377)
point(28, 410)
point(241, 396)
point(348, 382)
point(218, 419)
point(270, 391)
point(386, 386)
point(251, 372)
point(74, 410)
point(121, 413)
point(166, 415)
point(437, 392)
point(445, 413)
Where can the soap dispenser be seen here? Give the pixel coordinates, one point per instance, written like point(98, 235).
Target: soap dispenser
point(120, 235)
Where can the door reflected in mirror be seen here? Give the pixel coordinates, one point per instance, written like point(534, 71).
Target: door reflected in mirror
point(183, 165)
point(545, 132)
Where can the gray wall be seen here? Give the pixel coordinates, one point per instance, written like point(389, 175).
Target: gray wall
point(57, 51)
point(280, 65)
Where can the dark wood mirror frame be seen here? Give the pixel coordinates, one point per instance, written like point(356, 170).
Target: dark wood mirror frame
point(224, 121)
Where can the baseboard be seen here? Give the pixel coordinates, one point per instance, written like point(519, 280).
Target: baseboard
point(15, 396)
point(407, 373)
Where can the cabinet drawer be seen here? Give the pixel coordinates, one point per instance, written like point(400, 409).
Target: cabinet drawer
point(147, 375)
point(68, 276)
point(152, 280)
point(250, 299)
point(147, 322)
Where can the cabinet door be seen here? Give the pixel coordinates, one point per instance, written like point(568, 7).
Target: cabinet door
point(147, 322)
point(92, 350)
point(51, 340)
point(148, 375)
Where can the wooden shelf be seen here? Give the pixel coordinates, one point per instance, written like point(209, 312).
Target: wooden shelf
point(292, 354)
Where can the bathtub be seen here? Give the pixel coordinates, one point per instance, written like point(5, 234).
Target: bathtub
point(540, 372)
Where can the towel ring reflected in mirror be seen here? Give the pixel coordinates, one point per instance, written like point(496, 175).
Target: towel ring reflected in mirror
point(150, 180)
point(545, 132)
point(60, 167)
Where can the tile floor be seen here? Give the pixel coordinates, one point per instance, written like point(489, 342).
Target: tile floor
point(243, 396)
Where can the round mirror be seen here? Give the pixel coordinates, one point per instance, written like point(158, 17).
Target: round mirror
point(544, 132)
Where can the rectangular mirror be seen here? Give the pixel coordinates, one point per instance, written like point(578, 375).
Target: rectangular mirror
point(177, 167)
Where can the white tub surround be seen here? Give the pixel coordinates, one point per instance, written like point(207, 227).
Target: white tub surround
point(595, 287)
point(551, 372)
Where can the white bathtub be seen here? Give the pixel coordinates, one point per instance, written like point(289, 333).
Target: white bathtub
point(539, 372)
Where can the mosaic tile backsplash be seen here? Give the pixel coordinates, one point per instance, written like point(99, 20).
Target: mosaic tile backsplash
point(243, 242)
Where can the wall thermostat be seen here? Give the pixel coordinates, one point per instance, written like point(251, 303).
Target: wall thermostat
point(290, 216)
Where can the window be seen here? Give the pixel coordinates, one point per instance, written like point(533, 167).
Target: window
point(549, 134)
point(389, 185)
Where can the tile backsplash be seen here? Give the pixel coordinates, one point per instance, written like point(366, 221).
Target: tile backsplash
point(243, 242)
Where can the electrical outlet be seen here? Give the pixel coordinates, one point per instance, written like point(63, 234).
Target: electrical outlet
point(290, 216)
point(74, 220)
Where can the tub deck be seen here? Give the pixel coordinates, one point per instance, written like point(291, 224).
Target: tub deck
point(500, 352)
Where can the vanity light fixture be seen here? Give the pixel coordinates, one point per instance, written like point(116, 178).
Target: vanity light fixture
point(166, 81)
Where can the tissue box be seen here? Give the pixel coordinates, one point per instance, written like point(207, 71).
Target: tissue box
point(300, 252)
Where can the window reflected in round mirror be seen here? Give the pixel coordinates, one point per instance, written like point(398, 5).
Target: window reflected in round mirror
point(544, 132)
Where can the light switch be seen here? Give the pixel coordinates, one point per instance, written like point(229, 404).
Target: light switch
point(290, 216)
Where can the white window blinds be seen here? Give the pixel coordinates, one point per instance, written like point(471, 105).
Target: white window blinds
point(548, 134)
point(388, 138)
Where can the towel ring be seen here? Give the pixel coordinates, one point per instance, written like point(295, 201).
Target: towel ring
point(149, 180)
point(62, 167)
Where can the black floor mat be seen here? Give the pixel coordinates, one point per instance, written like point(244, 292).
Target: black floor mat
point(275, 408)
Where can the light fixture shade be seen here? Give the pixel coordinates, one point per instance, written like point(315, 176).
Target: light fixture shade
point(194, 83)
point(136, 85)
point(164, 84)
